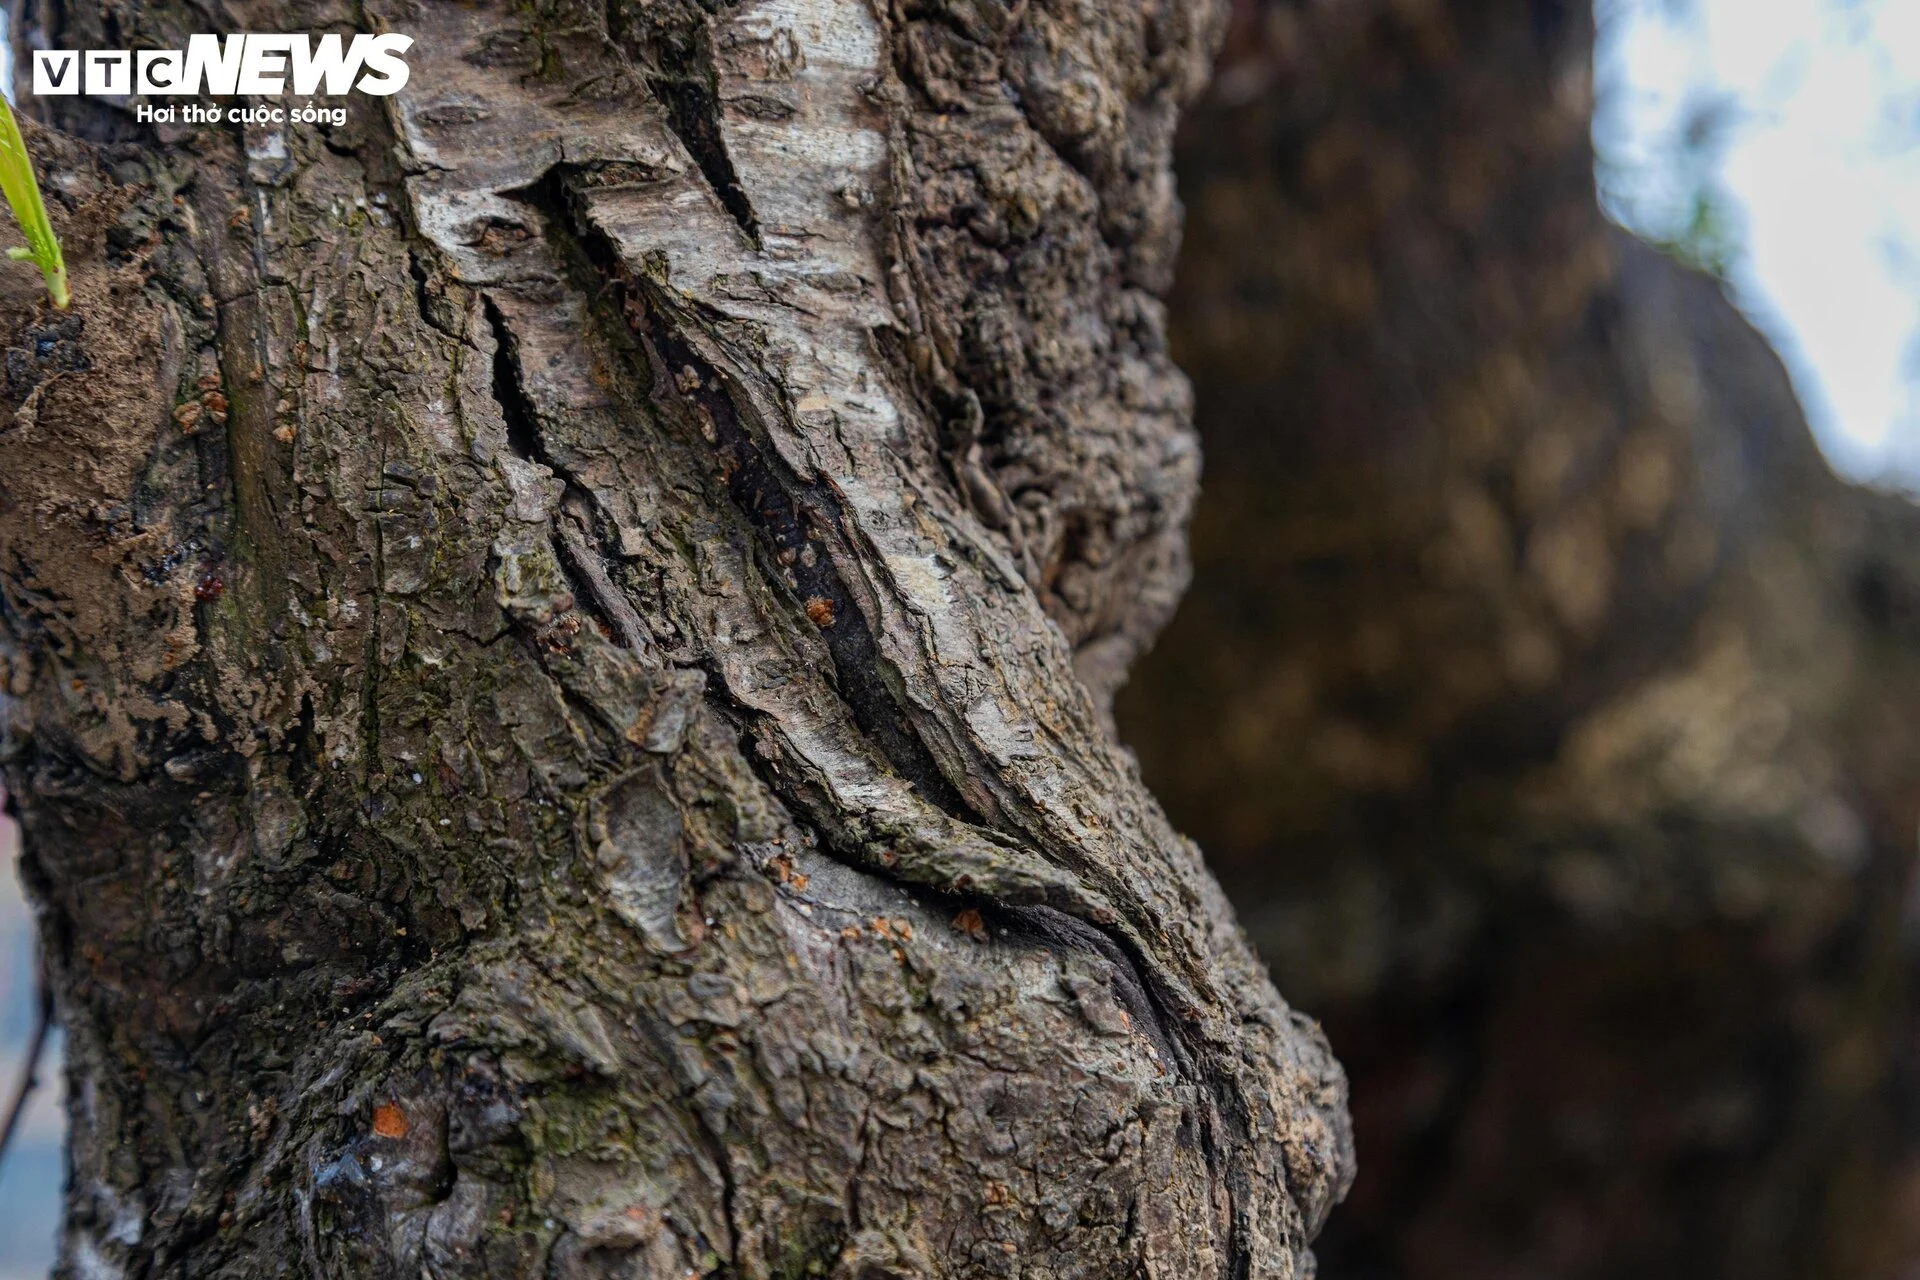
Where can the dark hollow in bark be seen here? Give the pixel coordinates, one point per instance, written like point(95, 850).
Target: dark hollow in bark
point(1545, 705)
point(556, 641)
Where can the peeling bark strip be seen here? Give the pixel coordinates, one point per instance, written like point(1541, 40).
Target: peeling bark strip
point(582, 762)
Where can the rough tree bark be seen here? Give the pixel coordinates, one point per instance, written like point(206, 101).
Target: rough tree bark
point(555, 644)
point(1545, 705)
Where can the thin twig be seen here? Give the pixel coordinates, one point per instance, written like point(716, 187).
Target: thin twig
point(30, 1069)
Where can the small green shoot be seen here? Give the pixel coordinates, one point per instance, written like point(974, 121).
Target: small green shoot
point(22, 190)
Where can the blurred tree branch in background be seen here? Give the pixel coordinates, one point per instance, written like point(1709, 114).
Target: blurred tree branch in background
point(1543, 700)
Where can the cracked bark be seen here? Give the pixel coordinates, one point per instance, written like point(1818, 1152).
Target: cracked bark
point(556, 641)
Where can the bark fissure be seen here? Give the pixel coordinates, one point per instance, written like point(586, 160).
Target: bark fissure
point(575, 516)
point(799, 523)
point(695, 119)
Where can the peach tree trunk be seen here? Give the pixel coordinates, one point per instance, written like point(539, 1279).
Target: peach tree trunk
point(1544, 703)
point(556, 642)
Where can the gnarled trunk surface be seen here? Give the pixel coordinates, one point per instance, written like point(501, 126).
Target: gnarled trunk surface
point(556, 640)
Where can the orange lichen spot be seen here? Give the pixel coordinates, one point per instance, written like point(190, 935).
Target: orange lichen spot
point(389, 1121)
point(820, 609)
point(970, 923)
point(883, 926)
point(851, 933)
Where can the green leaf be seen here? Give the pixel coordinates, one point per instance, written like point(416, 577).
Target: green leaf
point(22, 190)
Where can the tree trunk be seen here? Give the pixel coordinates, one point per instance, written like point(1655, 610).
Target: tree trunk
point(1545, 705)
point(556, 640)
